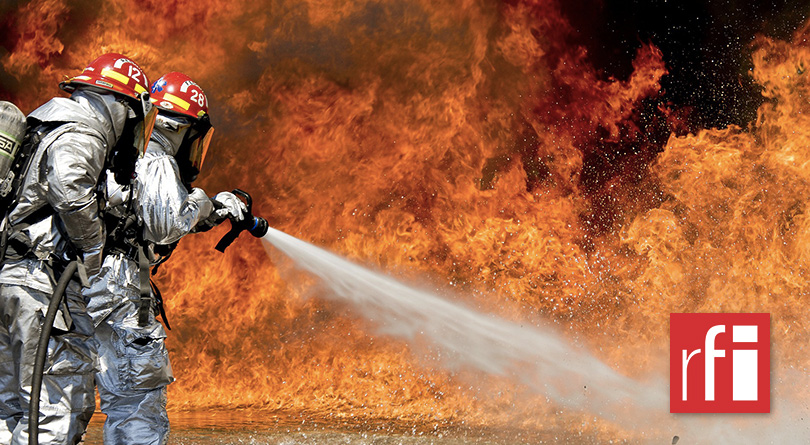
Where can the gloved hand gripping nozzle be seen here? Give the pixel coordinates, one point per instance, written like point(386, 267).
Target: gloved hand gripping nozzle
point(257, 226)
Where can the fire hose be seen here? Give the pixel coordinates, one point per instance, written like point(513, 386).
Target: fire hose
point(42, 352)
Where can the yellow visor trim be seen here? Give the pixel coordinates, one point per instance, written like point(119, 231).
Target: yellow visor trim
point(177, 101)
point(106, 72)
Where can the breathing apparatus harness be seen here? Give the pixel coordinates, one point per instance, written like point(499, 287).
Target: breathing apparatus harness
point(126, 238)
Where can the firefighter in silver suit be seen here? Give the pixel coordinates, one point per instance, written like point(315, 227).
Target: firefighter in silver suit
point(134, 367)
point(56, 219)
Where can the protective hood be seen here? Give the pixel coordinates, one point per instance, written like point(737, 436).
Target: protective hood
point(100, 112)
point(168, 133)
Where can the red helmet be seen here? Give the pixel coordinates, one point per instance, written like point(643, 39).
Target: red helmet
point(118, 74)
point(177, 93)
point(112, 72)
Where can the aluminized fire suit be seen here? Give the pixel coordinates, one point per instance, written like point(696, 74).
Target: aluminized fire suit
point(57, 208)
point(134, 366)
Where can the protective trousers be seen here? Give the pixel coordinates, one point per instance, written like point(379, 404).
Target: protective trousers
point(133, 362)
point(67, 401)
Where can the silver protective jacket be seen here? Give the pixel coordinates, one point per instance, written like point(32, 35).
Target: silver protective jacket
point(168, 209)
point(134, 366)
point(63, 175)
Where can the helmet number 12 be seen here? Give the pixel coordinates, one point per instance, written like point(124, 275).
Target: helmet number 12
point(134, 73)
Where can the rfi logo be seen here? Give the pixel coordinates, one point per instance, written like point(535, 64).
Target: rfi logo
point(720, 363)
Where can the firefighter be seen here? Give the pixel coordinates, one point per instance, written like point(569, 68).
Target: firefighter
point(102, 127)
point(134, 367)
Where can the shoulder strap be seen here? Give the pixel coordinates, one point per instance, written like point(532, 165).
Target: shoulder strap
point(146, 290)
point(10, 187)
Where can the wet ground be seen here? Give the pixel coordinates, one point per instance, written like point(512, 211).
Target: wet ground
point(240, 427)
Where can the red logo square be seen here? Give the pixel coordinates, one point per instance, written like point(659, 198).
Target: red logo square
point(720, 363)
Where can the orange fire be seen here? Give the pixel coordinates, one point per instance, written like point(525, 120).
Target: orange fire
point(467, 144)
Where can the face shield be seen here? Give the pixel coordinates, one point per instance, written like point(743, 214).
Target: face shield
point(134, 138)
point(196, 138)
point(199, 148)
point(143, 130)
point(199, 138)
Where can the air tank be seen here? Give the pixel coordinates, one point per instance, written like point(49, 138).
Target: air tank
point(12, 130)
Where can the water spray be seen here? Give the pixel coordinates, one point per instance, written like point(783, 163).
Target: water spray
point(537, 356)
point(255, 225)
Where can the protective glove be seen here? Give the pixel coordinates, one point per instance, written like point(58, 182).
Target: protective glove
point(229, 206)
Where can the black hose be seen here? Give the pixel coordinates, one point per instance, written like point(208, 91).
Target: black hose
point(42, 351)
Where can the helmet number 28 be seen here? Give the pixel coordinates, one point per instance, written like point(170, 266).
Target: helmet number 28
point(198, 97)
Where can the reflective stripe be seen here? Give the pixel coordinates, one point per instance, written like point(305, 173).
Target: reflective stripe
point(8, 145)
point(106, 72)
point(139, 89)
point(9, 136)
point(177, 101)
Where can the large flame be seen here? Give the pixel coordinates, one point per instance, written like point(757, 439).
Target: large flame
point(470, 144)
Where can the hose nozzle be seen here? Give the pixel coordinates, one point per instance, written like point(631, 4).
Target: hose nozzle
point(255, 225)
point(259, 228)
